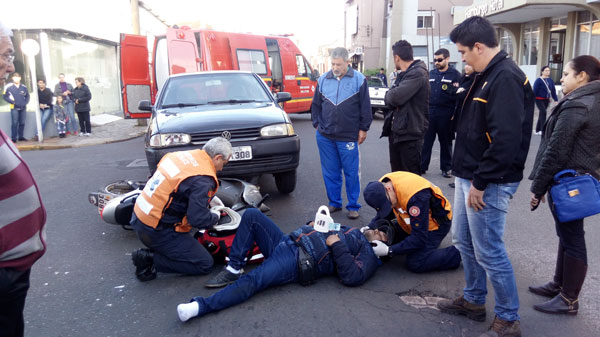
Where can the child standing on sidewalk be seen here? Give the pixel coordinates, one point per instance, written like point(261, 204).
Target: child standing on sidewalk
point(61, 117)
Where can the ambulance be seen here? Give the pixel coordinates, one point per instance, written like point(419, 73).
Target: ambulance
point(276, 59)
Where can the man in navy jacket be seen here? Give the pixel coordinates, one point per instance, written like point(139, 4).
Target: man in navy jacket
point(18, 96)
point(341, 113)
point(302, 256)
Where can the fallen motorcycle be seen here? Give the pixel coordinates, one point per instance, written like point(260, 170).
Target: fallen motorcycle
point(116, 201)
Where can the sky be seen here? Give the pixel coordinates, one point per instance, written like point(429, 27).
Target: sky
point(312, 22)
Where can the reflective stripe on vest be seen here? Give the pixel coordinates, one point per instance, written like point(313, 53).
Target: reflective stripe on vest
point(406, 185)
point(172, 169)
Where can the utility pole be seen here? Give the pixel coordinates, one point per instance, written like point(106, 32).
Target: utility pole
point(135, 17)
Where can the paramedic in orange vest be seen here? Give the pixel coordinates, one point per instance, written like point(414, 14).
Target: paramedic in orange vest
point(175, 199)
point(420, 217)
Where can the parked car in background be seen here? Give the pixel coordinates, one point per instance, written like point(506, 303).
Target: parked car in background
point(377, 90)
point(195, 107)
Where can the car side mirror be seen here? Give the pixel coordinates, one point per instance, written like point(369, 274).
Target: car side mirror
point(315, 75)
point(283, 97)
point(145, 105)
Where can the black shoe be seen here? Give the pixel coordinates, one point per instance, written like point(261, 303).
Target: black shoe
point(143, 260)
point(23, 139)
point(453, 185)
point(460, 306)
point(559, 305)
point(446, 174)
point(549, 289)
point(222, 279)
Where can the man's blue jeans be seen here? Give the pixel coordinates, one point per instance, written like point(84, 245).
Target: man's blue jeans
point(335, 158)
point(280, 265)
point(17, 126)
point(72, 126)
point(478, 237)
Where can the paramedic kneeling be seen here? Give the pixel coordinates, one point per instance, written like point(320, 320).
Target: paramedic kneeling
point(422, 220)
point(176, 198)
point(302, 256)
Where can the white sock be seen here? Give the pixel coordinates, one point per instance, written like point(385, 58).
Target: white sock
point(187, 310)
point(233, 271)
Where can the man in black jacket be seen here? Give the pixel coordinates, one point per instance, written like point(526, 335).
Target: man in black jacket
point(493, 133)
point(408, 98)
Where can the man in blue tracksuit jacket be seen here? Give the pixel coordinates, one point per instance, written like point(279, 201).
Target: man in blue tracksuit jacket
point(341, 113)
point(302, 256)
point(18, 96)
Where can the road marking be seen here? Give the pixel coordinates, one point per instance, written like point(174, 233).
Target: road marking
point(138, 163)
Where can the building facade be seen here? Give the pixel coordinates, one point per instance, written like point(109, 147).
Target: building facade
point(538, 33)
point(83, 46)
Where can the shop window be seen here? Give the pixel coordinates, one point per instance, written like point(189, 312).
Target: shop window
point(252, 60)
point(425, 19)
point(529, 51)
point(506, 42)
point(588, 34)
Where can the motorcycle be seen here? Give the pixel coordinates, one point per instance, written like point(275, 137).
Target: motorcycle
point(116, 201)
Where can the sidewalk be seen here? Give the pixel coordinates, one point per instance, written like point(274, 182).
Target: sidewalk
point(105, 129)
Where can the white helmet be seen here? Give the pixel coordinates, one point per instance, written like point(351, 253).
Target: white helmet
point(228, 221)
point(323, 221)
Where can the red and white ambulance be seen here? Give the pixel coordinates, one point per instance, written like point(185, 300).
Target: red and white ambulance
point(182, 50)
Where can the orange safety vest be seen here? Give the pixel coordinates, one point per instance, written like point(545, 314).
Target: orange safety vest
point(172, 169)
point(406, 185)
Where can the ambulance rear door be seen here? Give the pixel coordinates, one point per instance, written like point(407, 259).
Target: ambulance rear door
point(183, 51)
point(297, 77)
point(135, 75)
point(249, 53)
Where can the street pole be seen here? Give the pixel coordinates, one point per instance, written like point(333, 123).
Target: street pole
point(135, 17)
point(31, 48)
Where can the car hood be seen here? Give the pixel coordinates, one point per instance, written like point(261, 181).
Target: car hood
point(194, 120)
point(377, 92)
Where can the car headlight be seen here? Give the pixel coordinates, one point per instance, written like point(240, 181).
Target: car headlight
point(276, 130)
point(170, 139)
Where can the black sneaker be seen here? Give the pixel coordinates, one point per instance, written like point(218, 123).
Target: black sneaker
point(446, 174)
point(460, 306)
point(146, 274)
point(223, 278)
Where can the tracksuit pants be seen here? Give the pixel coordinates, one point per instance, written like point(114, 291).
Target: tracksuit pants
point(337, 157)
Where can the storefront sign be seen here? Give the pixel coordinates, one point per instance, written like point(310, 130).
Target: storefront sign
point(485, 9)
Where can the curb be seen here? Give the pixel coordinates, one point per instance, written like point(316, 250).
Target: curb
point(74, 145)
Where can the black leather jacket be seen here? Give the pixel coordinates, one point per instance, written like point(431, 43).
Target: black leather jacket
point(571, 138)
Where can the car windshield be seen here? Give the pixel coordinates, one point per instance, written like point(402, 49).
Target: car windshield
point(375, 82)
point(204, 89)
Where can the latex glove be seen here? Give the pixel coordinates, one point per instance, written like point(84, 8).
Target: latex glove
point(363, 229)
point(380, 248)
point(215, 202)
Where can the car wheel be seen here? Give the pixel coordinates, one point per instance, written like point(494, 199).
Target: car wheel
point(285, 181)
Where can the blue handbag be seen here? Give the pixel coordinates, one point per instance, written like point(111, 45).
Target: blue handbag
point(575, 196)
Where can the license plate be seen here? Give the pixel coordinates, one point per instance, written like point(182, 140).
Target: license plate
point(376, 102)
point(241, 153)
point(103, 199)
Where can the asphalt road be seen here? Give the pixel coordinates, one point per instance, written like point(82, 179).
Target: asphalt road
point(85, 284)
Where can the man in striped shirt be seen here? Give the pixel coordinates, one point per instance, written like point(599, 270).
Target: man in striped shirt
point(22, 217)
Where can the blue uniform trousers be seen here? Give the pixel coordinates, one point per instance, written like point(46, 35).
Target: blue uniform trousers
point(424, 255)
point(174, 252)
point(280, 265)
point(440, 125)
point(336, 157)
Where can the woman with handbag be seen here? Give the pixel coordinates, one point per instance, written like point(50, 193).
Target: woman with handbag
point(543, 89)
point(570, 141)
